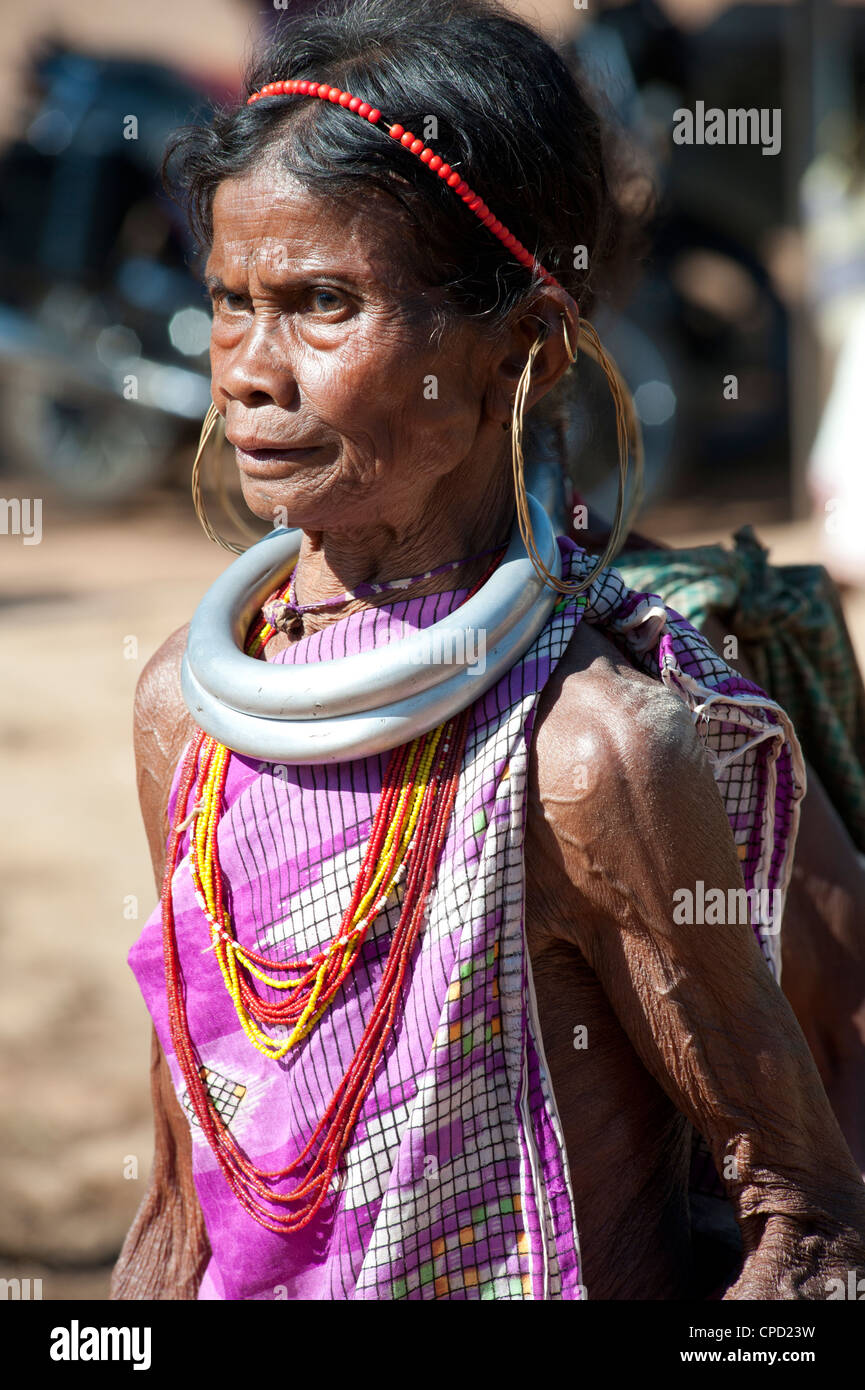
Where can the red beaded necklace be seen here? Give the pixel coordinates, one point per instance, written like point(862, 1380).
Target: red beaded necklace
point(440, 753)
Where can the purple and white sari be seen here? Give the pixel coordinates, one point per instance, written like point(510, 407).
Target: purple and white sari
point(455, 1183)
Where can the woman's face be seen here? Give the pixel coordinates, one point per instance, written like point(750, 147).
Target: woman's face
point(341, 412)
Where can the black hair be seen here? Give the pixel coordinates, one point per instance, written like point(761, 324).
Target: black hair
point(507, 114)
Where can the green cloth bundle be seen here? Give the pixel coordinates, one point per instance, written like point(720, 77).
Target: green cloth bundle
point(790, 627)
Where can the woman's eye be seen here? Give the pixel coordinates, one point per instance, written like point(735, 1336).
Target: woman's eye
point(326, 301)
point(227, 299)
point(320, 300)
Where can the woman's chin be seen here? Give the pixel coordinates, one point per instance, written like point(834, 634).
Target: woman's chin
point(283, 501)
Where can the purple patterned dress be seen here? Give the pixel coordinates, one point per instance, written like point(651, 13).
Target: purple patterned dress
point(455, 1183)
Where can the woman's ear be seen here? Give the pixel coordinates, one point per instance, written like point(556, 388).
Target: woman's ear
point(554, 318)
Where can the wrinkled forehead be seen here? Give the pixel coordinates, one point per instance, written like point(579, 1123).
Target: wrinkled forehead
point(267, 221)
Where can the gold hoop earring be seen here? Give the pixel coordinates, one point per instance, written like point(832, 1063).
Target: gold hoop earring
point(629, 440)
point(572, 356)
point(211, 420)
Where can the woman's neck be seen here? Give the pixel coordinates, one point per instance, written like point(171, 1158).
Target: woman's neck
point(331, 563)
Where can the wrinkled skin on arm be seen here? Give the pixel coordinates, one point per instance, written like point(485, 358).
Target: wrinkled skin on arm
point(823, 946)
point(823, 937)
point(698, 1003)
point(166, 1251)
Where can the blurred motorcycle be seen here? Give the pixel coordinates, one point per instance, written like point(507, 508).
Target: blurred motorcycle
point(104, 328)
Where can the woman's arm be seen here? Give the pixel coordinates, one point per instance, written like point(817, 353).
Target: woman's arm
point(697, 1001)
point(166, 1251)
point(823, 944)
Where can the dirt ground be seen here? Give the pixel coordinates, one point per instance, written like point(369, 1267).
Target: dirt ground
point(80, 614)
point(77, 879)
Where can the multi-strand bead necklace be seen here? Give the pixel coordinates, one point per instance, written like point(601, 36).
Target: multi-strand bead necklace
point(408, 830)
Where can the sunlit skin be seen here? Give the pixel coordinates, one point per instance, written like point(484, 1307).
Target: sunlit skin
point(330, 346)
point(321, 337)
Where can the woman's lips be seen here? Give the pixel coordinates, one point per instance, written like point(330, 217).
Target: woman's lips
point(272, 463)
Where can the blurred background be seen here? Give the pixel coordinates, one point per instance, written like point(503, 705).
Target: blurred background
point(743, 342)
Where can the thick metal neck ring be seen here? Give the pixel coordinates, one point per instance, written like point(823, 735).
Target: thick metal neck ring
point(330, 711)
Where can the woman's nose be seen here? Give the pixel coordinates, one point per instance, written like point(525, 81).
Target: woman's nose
point(256, 371)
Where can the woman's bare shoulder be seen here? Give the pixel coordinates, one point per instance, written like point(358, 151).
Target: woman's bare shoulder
point(598, 710)
point(162, 728)
point(620, 789)
point(160, 713)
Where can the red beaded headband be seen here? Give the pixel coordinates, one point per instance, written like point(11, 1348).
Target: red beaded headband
point(472, 200)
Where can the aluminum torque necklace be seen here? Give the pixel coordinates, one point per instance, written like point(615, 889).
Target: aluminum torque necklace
point(330, 711)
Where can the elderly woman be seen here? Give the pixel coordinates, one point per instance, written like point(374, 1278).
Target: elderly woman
point(450, 964)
